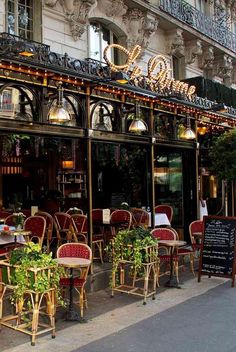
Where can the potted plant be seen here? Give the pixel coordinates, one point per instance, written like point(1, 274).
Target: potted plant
point(28, 269)
point(134, 254)
point(136, 246)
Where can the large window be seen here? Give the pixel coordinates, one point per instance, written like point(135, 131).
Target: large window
point(24, 18)
point(99, 37)
point(20, 18)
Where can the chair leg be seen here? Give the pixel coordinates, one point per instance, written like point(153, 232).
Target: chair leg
point(158, 273)
point(191, 258)
point(99, 245)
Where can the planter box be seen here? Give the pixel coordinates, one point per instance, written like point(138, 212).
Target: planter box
point(33, 305)
point(149, 268)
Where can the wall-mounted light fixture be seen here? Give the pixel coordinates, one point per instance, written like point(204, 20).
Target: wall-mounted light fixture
point(201, 129)
point(188, 133)
point(120, 77)
point(137, 125)
point(221, 107)
point(26, 50)
point(57, 113)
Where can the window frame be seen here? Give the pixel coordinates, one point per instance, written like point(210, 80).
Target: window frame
point(36, 18)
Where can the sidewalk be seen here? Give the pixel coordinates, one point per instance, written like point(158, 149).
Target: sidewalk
point(108, 315)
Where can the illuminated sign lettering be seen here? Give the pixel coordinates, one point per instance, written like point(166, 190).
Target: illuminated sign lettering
point(157, 78)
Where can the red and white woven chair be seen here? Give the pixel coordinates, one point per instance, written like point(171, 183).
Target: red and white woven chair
point(62, 224)
point(37, 226)
point(76, 250)
point(79, 233)
point(163, 233)
point(166, 209)
point(196, 227)
point(49, 227)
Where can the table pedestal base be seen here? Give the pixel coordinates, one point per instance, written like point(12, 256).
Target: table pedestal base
point(172, 282)
point(73, 315)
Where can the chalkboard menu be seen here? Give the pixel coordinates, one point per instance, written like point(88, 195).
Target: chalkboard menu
point(218, 247)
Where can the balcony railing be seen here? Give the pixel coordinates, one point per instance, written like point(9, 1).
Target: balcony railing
point(188, 14)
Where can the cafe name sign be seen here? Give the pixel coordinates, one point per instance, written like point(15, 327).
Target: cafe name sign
point(157, 78)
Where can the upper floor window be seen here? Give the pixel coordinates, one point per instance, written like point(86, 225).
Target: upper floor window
point(99, 38)
point(203, 6)
point(20, 18)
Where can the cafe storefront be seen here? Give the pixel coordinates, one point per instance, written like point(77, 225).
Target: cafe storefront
point(94, 159)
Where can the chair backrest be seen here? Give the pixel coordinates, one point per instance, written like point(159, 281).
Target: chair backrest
point(97, 216)
point(194, 227)
point(164, 233)
point(76, 250)
point(49, 222)
point(121, 217)
point(72, 211)
point(37, 225)
point(10, 220)
point(166, 209)
point(26, 212)
point(62, 220)
point(140, 217)
point(4, 214)
point(78, 227)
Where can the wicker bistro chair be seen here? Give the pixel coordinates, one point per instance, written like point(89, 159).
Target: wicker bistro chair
point(166, 209)
point(77, 250)
point(49, 228)
point(163, 233)
point(196, 227)
point(79, 233)
point(10, 220)
point(72, 211)
point(37, 226)
point(62, 224)
point(120, 220)
point(78, 228)
point(4, 214)
point(140, 217)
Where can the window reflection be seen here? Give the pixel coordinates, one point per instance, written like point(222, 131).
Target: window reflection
point(99, 38)
point(168, 178)
point(16, 104)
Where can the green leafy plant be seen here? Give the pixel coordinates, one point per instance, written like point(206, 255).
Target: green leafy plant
point(223, 156)
point(131, 245)
point(34, 270)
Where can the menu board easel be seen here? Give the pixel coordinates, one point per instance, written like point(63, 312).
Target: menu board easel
point(218, 252)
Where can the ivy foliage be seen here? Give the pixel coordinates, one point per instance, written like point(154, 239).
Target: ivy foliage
point(30, 257)
point(223, 156)
point(130, 245)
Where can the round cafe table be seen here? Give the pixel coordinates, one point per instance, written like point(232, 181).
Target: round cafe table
point(72, 263)
point(173, 244)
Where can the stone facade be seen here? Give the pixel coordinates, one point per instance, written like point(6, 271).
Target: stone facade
point(65, 28)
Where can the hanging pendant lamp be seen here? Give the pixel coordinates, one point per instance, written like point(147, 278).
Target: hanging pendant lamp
point(188, 133)
point(57, 113)
point(137, 125)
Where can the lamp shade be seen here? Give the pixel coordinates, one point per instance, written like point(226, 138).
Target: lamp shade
point(189, 134)
point(137, 126)
point(58, 114)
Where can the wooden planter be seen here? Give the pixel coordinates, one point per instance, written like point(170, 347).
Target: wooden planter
point(33, 304)
point(149, 268)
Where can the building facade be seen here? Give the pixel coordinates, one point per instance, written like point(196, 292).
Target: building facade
point(93, 160)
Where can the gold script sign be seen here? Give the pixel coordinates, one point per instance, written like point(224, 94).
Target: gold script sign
point(158, 72)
